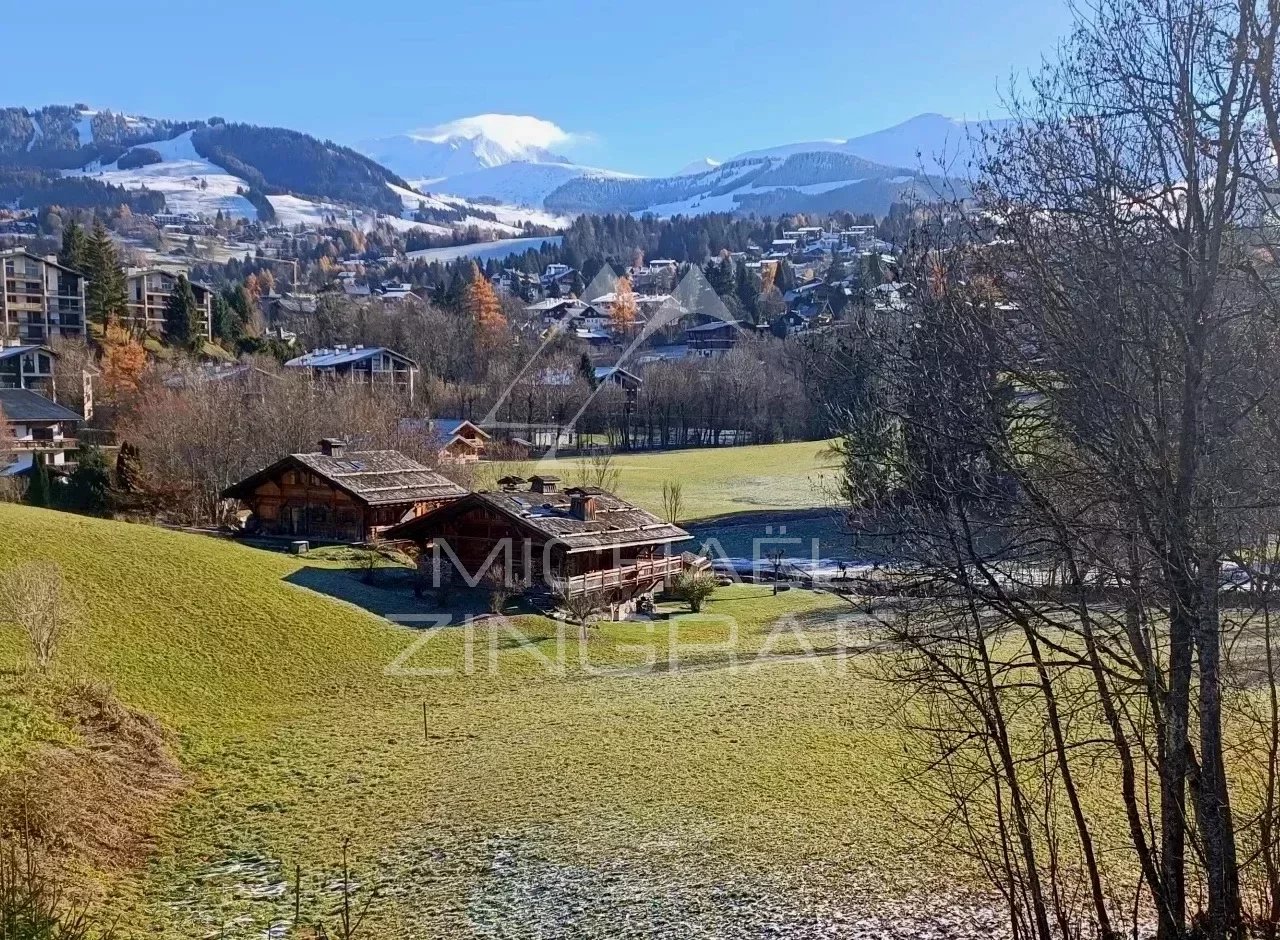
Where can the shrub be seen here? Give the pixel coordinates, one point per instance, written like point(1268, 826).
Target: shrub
point(694, 588)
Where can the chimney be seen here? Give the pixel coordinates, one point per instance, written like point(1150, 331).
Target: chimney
point(582, 506)
point(333, 447)
point(541, 484)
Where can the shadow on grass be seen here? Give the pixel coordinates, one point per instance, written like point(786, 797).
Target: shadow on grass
point(390, 595)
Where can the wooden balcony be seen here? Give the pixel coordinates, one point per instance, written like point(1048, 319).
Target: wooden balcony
point(631, 579)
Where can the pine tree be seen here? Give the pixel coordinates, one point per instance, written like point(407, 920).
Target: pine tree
point(105, 294)
point(481, 304)
point(182, 318)
point(75, 247)
point(39, 492)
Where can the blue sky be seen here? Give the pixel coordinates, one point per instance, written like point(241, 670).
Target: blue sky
point(648, 86)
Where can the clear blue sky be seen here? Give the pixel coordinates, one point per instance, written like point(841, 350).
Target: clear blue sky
point(653, 85)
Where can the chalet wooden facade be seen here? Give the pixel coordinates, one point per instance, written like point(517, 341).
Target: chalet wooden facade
point(460, 440)
point(340, 496)
point(583, 540)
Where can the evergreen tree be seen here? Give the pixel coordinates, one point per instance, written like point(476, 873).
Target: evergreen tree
point(182, 318)
point(89, 487)
point(75, 247)
point(587, 369)
point(224, 326)
point(105, 294)
point(39, 491)
point(129, 468)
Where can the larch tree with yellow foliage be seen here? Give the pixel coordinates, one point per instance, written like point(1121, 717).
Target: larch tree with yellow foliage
point(480, 303)
point(123, 360)
point(622, 315)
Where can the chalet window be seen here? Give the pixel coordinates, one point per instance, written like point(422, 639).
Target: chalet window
point(290, 478)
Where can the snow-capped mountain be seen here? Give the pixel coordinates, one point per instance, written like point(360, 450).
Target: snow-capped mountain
point(807, 181)
point(932, 142)
point(698, 166)
point(467, 145)
point(520, 184)
point(860, 174)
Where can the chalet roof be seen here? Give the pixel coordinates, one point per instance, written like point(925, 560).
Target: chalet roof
point(344, 355)
point(549, 517)
point(8, 352)
point(715, 326)
point(608, 372)
point(372, 477)
point(448, 428)
point(20, 404)
point(50, 260)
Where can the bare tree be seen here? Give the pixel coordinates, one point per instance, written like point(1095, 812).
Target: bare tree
point(673, 501)
point(1067, 443)
point(34, 596)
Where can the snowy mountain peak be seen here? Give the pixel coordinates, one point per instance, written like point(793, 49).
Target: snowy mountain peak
point(469, 144)
point(698, 166)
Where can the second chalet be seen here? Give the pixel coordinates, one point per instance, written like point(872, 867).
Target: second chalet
point(339, 495)
point(572, 542)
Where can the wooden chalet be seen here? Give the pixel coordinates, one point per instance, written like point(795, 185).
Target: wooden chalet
point(460, 440)
point(339, 495)
point(578, 541)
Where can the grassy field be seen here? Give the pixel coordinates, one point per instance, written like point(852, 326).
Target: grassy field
point(545, 783)
point(715, 480)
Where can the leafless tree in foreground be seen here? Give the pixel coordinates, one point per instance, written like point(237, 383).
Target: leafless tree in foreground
point(34, 596)
point(1071, 443)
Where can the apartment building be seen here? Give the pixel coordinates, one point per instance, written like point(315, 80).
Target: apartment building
point(149, 291)
point(41, 300)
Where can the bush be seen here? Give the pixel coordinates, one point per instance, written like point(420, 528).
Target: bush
point(694, 588)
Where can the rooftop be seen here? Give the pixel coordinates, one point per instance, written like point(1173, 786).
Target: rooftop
point(374, 477)
point(20, 404)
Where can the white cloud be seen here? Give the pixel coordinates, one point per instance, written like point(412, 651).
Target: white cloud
point(512, 131)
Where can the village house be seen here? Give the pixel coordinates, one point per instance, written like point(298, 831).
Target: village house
point(575, 542)
point(460, 440)
point(339, 495)
point(34, 428)
point(717, 336)
point(367, 365)
point(149, 292)
point(41, 299)
point(29, 367)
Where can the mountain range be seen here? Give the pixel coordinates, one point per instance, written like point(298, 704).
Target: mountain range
point(506, 157)
point(492, 171)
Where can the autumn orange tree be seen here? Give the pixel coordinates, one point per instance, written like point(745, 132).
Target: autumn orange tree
point(123, 360)
point(622, 315)
point(480, 303)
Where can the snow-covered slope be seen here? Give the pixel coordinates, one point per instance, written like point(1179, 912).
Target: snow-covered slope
point(808, 181)
point(520, 184)
point(468, 144)
point(933, 142)
point(192, 184)
point(189, 182)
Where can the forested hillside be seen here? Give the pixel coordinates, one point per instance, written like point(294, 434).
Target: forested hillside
point(276, 160)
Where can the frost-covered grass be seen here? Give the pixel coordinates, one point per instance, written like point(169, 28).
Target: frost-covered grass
point(663, 787)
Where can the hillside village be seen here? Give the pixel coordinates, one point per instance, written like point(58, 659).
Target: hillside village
point(868, 537)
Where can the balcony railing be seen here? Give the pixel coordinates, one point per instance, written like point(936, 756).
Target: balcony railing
point(643, 574)
point(12, 445)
